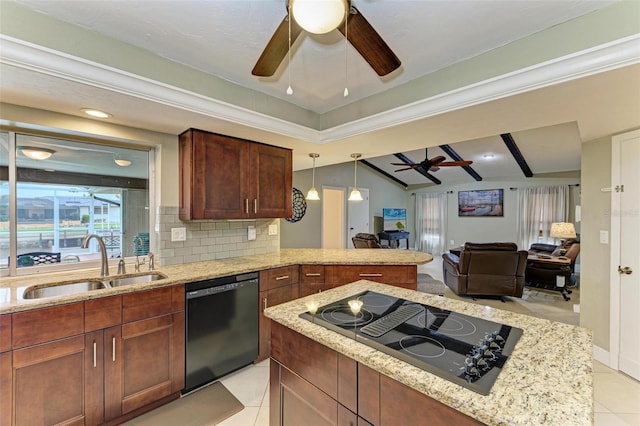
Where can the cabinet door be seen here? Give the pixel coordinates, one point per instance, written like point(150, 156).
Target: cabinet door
point(214, 177)
point(58, 371)
point(271, 298)
point(145, 367)
point(6, 401)
point(301, 403)
point(272, 186)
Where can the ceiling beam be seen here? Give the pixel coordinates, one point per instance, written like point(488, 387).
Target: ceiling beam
point(455, 157)
point(420, 169)
point(513, 148)
point(385, 174)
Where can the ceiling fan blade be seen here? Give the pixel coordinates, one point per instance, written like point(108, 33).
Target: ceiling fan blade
point(455, 163)
point(365, 39)
point(406, 164)
point(406, 168)
point(276, 49)
point(434, 169)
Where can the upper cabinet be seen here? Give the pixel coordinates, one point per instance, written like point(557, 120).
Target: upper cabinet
point(222, 177)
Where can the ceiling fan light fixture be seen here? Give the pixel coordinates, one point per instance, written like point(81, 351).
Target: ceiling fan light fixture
point(319, 16)
point(36, 153)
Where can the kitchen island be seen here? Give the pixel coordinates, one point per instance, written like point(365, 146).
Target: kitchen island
point(547, 379)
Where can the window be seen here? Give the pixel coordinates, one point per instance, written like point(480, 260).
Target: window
point(66, 190)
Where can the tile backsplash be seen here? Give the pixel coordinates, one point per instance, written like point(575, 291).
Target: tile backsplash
point(211, 239)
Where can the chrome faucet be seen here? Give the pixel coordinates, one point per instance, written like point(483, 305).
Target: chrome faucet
point(152, 264)
point(104, 268)
point(137, 243)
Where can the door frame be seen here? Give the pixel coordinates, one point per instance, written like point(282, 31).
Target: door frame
point(614, 241)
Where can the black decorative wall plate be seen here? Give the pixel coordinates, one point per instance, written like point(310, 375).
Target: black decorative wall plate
point(299, 206)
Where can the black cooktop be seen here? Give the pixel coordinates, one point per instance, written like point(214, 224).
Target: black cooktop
point(466, 350)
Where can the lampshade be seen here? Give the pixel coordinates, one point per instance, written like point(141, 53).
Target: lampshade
point(319, 16)
point(36, 153)
point(355, 194)
point(562, 230)
point(313, 193)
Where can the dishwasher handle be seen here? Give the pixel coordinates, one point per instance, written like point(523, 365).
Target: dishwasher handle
point(219, 289)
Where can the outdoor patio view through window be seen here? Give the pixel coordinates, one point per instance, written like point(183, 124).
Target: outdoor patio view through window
point(66, 190)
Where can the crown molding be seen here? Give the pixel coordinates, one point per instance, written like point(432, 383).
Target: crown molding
point(605, 57)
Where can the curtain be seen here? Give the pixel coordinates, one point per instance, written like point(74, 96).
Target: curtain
point(538, 208)
point(431, 222)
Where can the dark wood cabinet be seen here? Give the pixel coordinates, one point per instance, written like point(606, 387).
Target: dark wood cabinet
point(405, 276)
point(79, 363)
point(223, 177)
point(312, 280)
point(313, 384)
point(277, 285)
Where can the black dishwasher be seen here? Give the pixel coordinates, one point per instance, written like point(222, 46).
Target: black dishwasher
point(221, 327)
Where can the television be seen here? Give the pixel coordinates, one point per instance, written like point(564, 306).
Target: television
point(394, 219)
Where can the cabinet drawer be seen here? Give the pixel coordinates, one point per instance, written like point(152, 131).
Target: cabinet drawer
point(146, 304)
point(278, 277)
point(102, 313)
point(43, 325)
point(5, 332)
point(343, 274)
point(312, 274)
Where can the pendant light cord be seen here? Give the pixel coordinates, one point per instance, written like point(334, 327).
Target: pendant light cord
point(289, 17)
point(346, 51)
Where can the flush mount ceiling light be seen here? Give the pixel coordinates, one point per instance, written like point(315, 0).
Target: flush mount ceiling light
point(313, 193)
point(96, 113)
point(319, 16)
point(355, 193)
point(36, 153)
point(122, 162)
point(488, 156)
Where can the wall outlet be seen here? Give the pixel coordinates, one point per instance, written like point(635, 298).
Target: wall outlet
point(178, 234)
point(251, 233)
point(273, 229)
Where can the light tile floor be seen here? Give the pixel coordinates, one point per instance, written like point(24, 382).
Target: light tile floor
point(616, 396)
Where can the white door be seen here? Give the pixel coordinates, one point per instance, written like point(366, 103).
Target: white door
point(628, 146)
point(358, 215)
point(333, 217)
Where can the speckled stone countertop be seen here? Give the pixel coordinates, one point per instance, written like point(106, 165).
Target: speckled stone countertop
point(547, 380)
point(12, 289)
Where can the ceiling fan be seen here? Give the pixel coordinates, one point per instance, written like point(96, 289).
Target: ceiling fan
point(362, 36)
point(431, 164)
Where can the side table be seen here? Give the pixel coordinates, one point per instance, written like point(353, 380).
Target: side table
point(394, 236)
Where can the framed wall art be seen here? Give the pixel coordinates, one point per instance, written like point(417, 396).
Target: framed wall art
point(481, 202)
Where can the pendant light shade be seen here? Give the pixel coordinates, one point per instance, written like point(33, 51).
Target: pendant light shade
point(355, 193)
point(313, 193)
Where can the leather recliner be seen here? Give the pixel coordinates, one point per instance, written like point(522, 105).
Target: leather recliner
point(364, 240)
point(486, 269)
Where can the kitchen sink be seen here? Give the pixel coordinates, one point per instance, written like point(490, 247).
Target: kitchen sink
point(135, 279)
point(65, 289)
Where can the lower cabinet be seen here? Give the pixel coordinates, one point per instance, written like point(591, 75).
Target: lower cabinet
point(277, 285)
point(99, 369)
point(312, 384)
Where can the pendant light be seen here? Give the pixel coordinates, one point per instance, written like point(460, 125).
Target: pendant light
point(313, 193)
point(355, 194)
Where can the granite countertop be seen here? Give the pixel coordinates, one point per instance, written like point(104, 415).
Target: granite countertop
point(548, 378)
point(12, 289)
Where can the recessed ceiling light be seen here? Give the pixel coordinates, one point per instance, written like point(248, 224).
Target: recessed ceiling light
point(96, 113)
point(488, 156)
point(36, 153)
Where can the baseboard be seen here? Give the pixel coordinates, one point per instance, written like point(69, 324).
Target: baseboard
point(602, 355)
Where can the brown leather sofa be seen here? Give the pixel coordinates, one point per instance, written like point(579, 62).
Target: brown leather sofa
point(364, 240)
point(486, 269)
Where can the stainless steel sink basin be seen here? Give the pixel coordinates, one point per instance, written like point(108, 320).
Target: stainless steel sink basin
point(135, 279)
point(65, 289)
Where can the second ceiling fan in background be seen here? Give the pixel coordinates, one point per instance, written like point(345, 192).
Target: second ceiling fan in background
point(362, 36)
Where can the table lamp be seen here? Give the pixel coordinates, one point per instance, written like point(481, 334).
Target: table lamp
point(562, 230)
